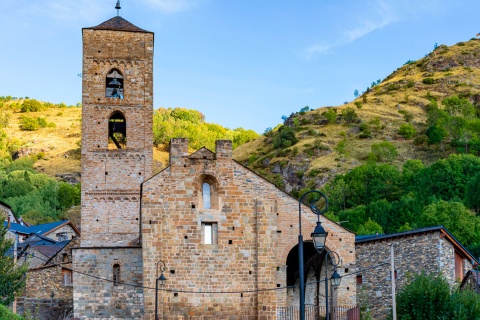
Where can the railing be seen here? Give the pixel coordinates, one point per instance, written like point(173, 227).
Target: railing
point(319, 313)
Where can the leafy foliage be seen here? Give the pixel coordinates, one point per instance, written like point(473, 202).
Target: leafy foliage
point(284, 138)
point(31, 105)
point(429, 296)
point(407, 131)
point(384, 151)
point(190, 124)
point(12, 277)
point(6, 314)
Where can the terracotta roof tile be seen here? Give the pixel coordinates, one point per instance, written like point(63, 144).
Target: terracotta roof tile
point(119, 24)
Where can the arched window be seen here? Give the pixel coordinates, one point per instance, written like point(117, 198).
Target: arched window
point(206, 194)
point(116, 274)
point(117, 131)
point(114, 84)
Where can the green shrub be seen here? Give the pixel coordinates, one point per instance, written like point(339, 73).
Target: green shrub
point(29, 124)
point(42, 122)
point(384, 151)
point(349, 115)
point(284, 138)
point(410, 83)
point(407, 131)
point(428, 81)
point(6, 314)
point(331, 116)
point(420, 140)
point(366, 132)
point(358, 104)
point(31, 106)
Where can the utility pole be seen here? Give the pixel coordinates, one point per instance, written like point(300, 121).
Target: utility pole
point(392, 276)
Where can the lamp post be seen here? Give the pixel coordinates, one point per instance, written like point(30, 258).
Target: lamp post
point(159, 265)
point(336, 278)
point(319, 236)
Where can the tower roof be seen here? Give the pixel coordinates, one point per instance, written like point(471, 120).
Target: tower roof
point(118, 24)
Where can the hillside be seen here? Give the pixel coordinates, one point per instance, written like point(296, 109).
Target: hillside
point(333, 140)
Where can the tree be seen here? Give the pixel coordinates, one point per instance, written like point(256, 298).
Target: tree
point(355, 93)
point(12, 277)
point(369, 227)
point(472, 199)
point(407, 131)
point(455, 217)
point(425, 297)
point(349, 115)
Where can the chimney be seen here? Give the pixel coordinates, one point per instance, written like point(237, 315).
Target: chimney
point(8, 224)
point(178, 151)
point(223, 149)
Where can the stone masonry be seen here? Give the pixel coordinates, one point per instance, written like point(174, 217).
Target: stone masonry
point(111, 178)
point(430, 250)
point(256, 227)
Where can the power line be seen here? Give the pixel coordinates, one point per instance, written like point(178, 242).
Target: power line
point(202, 292)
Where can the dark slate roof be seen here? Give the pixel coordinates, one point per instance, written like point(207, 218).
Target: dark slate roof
point(48, 251)
point(375, 237)
point(118, 24)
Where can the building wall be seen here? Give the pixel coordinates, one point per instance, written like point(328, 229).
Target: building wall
point(257, 227)
point(413, 254)
point(95, 295)
point(70, 232)
point(111, 178)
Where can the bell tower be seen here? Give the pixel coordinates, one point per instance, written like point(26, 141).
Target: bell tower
point(117, 114)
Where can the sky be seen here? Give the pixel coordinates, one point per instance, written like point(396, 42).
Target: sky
point(242, 63)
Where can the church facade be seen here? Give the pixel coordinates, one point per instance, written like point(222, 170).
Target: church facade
point(225, 237)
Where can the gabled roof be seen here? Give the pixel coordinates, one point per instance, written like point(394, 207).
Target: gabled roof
point(202, 153)
point(48, 251)
point(444, 232)
point(17, 227)
point(118, 24)
point(42, 229)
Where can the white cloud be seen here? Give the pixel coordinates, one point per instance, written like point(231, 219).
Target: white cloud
point(381, 16)
point(172, 6)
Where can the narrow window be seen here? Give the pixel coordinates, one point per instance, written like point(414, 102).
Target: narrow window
point(209, 233)
point(67, 277)
point(116, 274)
point(117, 131)
point(114, 85)
point(206, 192)
point(359, 279)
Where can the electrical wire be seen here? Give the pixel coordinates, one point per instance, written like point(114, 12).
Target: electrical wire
point(202, 292)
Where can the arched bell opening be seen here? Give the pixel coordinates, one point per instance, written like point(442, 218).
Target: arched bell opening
point(114, 84)
point(117, 131)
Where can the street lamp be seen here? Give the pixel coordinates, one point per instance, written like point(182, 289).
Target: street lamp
point(319, 236)
point(336, 278)
point(159, 265)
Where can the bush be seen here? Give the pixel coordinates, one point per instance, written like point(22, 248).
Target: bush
point(31, 106)
point(384, 151)
point(29, 124)
point(6, 314)
point(366, 132)
point(407, 131)
point(331, 116)
point(428, 81)
point(358, 104)
point(349, 115)
point(284, 138)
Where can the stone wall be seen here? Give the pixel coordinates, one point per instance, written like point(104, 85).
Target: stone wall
point(111, 178)
point(257, 226)
point(413, 253)
point(96, 296)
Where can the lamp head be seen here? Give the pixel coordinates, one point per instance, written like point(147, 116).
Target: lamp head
point(319, 236)
point(336, 278)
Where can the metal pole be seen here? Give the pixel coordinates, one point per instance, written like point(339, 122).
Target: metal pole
point(301, 277)
point(156, 297)
point(326, 285)
point(14, 307)
point(394, 303)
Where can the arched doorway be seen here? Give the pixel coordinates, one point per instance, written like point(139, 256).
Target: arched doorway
point(317, 266)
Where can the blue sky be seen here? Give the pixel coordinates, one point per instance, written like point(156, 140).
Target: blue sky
point(242, 63)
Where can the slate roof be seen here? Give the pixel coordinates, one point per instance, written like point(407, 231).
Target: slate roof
point(118, 24)
point(17, 227)
point(42, 229)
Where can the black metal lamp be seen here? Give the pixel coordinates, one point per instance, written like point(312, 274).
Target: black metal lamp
point(336, 278)
point(319, 236)
point(162, 280)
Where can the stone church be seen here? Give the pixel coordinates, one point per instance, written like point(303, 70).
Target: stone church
point(227, 238)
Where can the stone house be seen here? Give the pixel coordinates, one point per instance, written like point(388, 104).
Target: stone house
point(229, 252)
point(471, 280)
point(431, 249)
point(49, 286)
point(58, 230)
point(7, 213)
